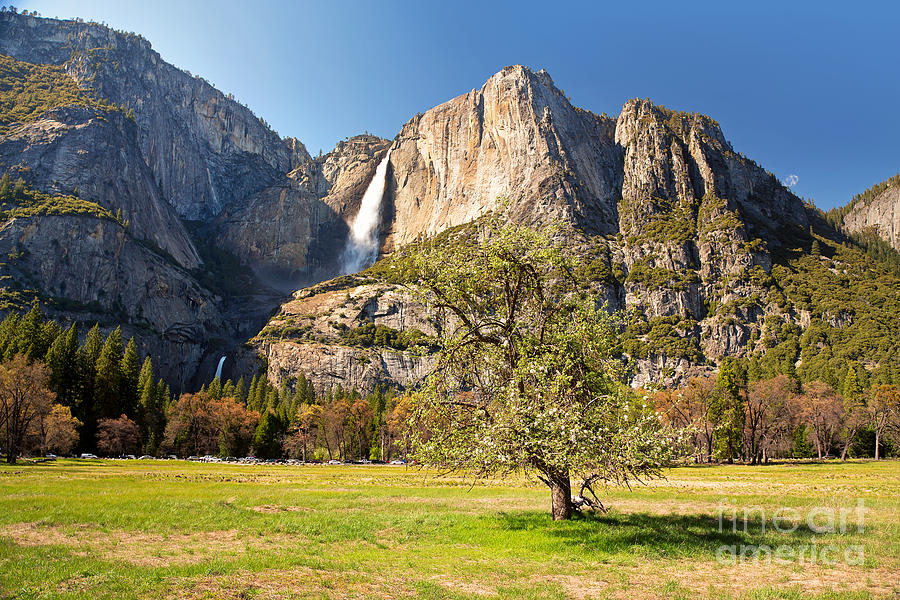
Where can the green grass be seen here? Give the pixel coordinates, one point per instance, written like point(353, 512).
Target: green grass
point(148, 529)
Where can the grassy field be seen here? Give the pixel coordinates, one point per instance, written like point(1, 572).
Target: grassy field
point(148, 529)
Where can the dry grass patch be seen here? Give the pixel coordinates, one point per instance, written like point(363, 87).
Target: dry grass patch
point(703, 579)
point(147, 549)
point(298, 582)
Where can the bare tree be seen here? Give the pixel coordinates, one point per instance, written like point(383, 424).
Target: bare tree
point(884, 408)
point(118, 436)
point(769, 417)
point(25, 398)
point(822, 409)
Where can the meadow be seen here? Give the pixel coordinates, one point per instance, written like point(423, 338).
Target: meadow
point(172, 529)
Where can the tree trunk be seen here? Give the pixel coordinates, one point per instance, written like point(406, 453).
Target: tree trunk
point(561, 493)
point(877, 442)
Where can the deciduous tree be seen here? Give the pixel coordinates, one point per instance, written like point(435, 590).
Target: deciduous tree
point(118, 436)
point(884, 409)
point(528, 376)
point(25, 398)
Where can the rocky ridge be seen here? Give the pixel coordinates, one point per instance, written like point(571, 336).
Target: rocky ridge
point(877, 210)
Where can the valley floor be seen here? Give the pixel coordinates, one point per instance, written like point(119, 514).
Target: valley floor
point(172, 529)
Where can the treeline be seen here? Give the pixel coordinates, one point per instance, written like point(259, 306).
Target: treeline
point(96, 395)
point(232, 419)
point(732, 417)
point(96, 379)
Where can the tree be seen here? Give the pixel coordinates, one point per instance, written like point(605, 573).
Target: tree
point(118, 436)
point(151, 408)
point(727, 411)
point(266, 442)
point(769, 419)
point(25, 398)
point(130, 373)
point(884, 408)
point(360, 420)
point(528, 375)
point(198, 424)
point(108, 377)
point(62, 360)
point(855, 412)
point(87, 368)
point(60, 430)
point(236, 426)
point(821, 409)
point(309, 423)
point(688, 408)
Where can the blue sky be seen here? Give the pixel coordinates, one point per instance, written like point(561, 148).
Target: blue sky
point(804, 88)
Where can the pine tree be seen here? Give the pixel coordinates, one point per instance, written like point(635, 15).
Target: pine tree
point(215, 389)
point(62, 358)
point(49, 332)
point(151, 409)
point(265, 440)
point(29, 332)
point(107, 380)
point(228, 389)
point(9, 332)
point(251, 395)
point(87, 369)
point(240, 391)
point(727, 410)
point(130, 375)
point(852, 388)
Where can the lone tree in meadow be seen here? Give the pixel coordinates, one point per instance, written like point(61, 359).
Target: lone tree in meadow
point(529, 375)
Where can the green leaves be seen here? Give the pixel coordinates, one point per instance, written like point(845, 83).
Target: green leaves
point(530, 375)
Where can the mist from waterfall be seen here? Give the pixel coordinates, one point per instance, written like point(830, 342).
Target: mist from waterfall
point(362, 245)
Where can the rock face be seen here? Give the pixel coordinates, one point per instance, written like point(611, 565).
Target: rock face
point(516, 138)
point(94, 154)
point(95, 269)
point(678, 227)
point(878, 211)
point(204, 149)
point(309, 335)
point(294, 232)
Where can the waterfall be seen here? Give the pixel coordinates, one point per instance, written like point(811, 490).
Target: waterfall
point(219, 369)
point(362, 245)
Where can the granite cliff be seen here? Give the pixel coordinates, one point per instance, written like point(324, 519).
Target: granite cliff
point(876, 210)
point(204, 149)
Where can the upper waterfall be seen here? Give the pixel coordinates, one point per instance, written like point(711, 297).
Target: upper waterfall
point(362, 245)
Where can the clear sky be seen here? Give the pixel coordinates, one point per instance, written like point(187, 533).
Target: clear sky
point(805, 88)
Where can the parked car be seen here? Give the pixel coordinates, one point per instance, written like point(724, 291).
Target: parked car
point(50, 456)
point(88, 455)
point(334, 462)
point(398, 462)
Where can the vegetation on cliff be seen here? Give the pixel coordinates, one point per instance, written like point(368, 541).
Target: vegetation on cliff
point(18, 200)
point(28, 90)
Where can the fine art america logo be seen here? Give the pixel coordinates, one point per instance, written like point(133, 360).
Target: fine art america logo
point(811, 525)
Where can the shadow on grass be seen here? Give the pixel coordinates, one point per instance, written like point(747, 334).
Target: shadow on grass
point(648, 534)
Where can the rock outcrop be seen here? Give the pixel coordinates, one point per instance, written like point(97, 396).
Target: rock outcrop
point(293, 233)
point(310, 333)
point(681, 223)
point(517, 138)
point(877, 210)
point(91, 268)
point(205, 150)
point(94, 154)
